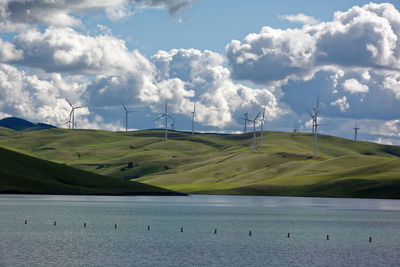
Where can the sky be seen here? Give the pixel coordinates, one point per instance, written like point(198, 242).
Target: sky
point(228, 57)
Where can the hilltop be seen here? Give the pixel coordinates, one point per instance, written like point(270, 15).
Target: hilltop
point(223, 163)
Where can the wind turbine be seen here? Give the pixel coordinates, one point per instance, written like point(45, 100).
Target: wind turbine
point(69, 124)
point(166, 116)
point(355, 131)
point(245, 118)
point(314, 117)
point(254, 129)
point(295, 128)
point(126, 116)
point(193, 117)
point(72, 115)
point(262, 126)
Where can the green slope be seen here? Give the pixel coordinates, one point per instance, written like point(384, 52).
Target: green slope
point(224, 164)
point(23, 174)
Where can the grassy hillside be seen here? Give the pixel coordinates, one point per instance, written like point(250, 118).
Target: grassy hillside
point(23, 174)
point(224, 164)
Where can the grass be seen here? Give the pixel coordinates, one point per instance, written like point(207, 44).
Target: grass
point(223, 164)
point(23, 174)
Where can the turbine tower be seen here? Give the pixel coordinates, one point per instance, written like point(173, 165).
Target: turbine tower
point(126, 116)
point(193, 117)
point(166, 116)
point(355, 131)
point(314, 117)
point(262, 126)
point(245, 118)
point(254, 129)
point(295, 128)
point(72, 115)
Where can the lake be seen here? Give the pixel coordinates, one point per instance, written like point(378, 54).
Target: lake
point(348, 222)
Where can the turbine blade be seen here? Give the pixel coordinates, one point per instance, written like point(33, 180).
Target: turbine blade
point(257, 115)
point(69, 103)
point(162, 116)
point(124, 107)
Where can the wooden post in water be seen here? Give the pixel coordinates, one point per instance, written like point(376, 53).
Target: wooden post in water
point(84, 224)
point(327, 237)
point(249, 233)
point(370, 239)
point(181, 229)
point(148, 228)
point(115, 226)
point(288, 235)
point(26, 222)
point(55, 223)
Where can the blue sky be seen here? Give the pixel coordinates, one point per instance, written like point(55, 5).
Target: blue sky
point(211, 24)
point(228, 56)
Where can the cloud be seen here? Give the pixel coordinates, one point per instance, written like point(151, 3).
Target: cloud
point(65, 50)
point(173, 6)
point(184, 77)
point(272, 55)
point(207, 82)
point(352, 62)
point(341, 103)
point(392, 82)
point(363, 37)
point(383, 141)
point(353, 86)
point(29, 97)
point(8, 52)
point(40, 97)
point(16, 15)
point(389, 128)
point(300, 18)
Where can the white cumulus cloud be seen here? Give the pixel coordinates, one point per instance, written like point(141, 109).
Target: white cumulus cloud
point(392, 83)
point(66, 50)
point(30, 97)
point(341, 103)
point(367, 37)
point(219, 99)
point(300, 18)
point(8, 52)
point(354, 86)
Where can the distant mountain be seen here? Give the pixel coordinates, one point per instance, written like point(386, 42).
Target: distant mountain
point(21, 124)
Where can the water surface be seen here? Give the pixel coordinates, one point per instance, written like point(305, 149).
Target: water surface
point(348, 222)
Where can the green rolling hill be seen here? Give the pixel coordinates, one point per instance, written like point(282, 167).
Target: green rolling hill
point(223, 164)
point(23, 174)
